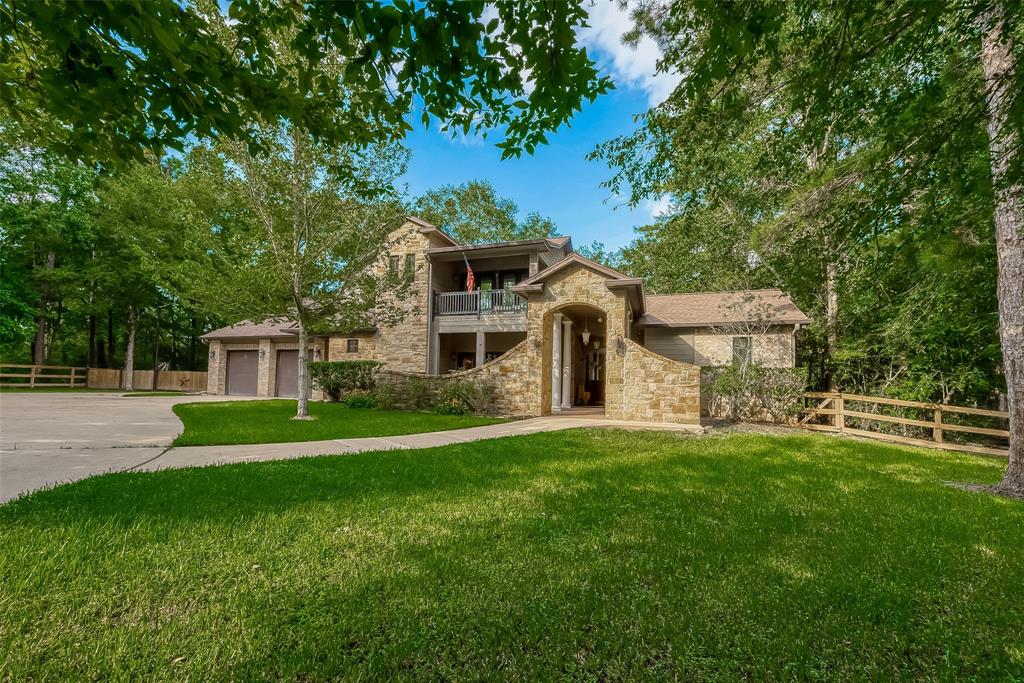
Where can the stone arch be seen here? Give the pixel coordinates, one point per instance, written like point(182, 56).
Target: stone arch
point(573, 372)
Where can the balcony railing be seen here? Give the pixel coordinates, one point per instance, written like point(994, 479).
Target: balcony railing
point(480, 302)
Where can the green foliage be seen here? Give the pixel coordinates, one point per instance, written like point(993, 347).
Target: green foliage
point(753, 392)
point(418, 392)
point(337, 378)
point(473, 213)
point(784, 159)
point(464, 398)
point(360, 399)
point(627, 555)
point(104, 79)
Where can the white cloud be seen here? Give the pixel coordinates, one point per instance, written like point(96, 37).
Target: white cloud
point(634, 67)
point(658, 207)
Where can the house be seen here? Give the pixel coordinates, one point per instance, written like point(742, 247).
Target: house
point(550, 328)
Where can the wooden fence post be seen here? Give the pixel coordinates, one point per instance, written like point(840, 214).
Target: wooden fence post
point(32, 378)
point(937, 429)
point(840, 417)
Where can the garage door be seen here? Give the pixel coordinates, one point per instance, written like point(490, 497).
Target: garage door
point(287, 378)
point(242, 370)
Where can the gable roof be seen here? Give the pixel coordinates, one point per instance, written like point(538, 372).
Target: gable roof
point(275, 327)
point(613, 278)
point(572, 258)
point(702, 309)
point(427, 227)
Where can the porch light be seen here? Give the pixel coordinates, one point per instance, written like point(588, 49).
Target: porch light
point(585, 334)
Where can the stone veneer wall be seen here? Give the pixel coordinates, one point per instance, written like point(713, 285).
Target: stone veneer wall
point(509, 374)
point(658, 389)
point(217, 374)
point(580, 286)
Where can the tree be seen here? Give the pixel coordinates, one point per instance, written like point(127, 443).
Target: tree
point(45, 227)
point(305, 242)
point(146, 247)
point(473, 213)
point(884, 106)
point(115, 78)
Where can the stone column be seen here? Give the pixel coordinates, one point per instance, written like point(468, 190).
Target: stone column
point(566, 363)
point(481, 348)
point(556, 363)
point(266, 369)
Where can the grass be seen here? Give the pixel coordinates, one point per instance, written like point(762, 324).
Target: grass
point(246, 422)
point(573, 555)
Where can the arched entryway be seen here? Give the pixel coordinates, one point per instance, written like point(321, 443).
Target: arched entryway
point(575, 348)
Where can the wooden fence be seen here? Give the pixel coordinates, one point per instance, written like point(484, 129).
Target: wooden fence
point(37, 376)
point(834, 408)
point(166, 380)
point(41, 376)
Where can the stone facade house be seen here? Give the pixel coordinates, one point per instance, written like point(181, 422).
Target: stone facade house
point(551, 329)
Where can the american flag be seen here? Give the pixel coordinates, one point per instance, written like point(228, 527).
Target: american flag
point(470, 280)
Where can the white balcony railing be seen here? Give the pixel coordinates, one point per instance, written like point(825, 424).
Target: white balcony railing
point(480, 302)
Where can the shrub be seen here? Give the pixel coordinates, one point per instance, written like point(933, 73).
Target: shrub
point(336, 378)
point(360, 399)
point(753, 392)
point(463, 398)
point(419, 393)
point(386, 396)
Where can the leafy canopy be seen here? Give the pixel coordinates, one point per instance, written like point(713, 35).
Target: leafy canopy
point(107, 78)
point(473, 213)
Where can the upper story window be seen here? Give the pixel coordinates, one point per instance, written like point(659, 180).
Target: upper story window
point(410, 264)
point(393, 265)
point(742, 350)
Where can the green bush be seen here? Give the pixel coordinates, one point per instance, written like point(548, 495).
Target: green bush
point(386, 396)
point(360, 399)
point(337, 378)
point(419, 393)
point(464, 398)
point(752, 392)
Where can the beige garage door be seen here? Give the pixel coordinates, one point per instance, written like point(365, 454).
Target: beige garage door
point(287, 378)
point(242, 370)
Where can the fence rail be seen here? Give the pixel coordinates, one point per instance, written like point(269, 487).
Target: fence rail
point(479, 302)
point(833, 408)
point(166, 380)
point(42, 376)
point(35, 376)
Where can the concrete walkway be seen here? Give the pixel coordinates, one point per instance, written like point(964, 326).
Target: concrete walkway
point(191, 456)
point(53, 438)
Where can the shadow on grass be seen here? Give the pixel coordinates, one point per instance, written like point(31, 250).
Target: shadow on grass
point(580, 555)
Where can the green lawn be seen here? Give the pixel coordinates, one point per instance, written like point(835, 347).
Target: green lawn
point(243, 422)
point(575, 555)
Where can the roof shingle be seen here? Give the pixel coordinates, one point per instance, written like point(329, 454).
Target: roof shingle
point(717, 308)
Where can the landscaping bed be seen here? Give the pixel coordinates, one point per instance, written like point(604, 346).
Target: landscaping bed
point(249, 422)
point(583, 554)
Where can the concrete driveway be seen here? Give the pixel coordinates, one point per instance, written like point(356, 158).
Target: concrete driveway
point(51, 438)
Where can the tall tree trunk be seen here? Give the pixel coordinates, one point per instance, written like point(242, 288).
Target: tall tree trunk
point(156, 350)
point(128, 370)
point(39, 343)
point(831, 319)
point(111, 342)
point(302, 404)
point(90, 354)
point(999, 64)
point(192, 340)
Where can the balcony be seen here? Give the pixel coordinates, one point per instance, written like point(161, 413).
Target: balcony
point(479, 303)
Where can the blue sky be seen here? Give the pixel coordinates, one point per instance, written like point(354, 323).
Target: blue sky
point(557, 180)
